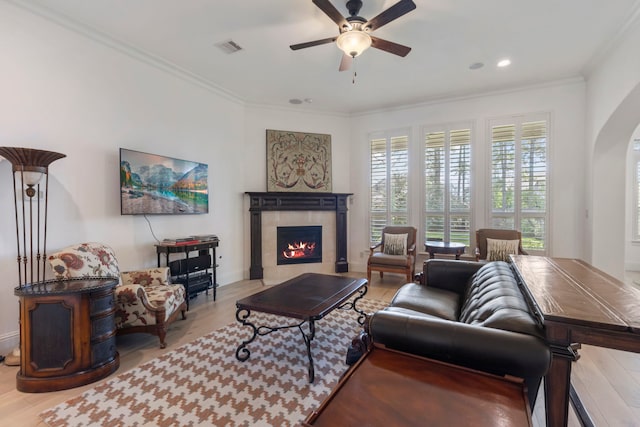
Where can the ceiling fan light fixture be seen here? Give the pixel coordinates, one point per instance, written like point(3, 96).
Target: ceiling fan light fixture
point(353, 42)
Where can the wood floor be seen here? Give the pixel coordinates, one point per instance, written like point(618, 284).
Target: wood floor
point(608, 381)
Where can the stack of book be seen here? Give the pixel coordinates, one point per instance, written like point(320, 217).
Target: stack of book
point(205, 237)
point(180, 241)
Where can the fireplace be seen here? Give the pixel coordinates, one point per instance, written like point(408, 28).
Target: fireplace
point(260, 202)
point(299, 244)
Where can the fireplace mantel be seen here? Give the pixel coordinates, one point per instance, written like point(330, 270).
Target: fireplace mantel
point(275, 201)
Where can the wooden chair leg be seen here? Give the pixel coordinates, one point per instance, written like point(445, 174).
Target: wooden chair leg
point(162, 333)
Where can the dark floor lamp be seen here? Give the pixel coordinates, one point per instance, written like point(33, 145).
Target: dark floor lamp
point(30, 199)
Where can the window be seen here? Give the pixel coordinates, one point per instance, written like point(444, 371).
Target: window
point(636, 190)
point(519, 178)
point(389, 183)
point(447, 185)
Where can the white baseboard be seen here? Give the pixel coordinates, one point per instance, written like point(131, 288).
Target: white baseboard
point(9, 341)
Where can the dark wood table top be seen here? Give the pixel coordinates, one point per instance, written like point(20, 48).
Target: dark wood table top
point(436, 244)
point(66, 286)
point(309, 296)
point(572, 291)
point(389, 388)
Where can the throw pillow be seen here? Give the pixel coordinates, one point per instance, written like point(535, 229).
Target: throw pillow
point(499, 250)
point(395, 244)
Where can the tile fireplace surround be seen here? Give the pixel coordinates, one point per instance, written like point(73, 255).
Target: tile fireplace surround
point(293, 205)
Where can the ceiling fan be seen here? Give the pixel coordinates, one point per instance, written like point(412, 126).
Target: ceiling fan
point(355, 31)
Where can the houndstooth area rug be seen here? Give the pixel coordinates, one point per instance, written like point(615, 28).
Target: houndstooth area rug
point(203, 384)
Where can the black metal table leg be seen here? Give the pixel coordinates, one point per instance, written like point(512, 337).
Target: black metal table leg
point(352, 305)
point(307, 340)
point(242, 353)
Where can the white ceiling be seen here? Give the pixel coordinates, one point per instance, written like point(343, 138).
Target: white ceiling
point(547, 40)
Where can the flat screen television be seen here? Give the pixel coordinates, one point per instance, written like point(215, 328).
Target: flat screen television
point(154, 184)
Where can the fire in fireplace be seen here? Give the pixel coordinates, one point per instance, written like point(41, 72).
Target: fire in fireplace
point(299, 245)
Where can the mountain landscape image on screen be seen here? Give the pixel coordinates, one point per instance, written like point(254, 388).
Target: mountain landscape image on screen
point(152, 184)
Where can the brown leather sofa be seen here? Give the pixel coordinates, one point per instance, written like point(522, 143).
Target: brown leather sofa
point(470, 314)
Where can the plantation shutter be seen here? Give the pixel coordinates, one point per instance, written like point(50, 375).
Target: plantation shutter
point(460, 186)
point(447, 181)
point(519, 180)
point(434, 171)
point(378, 211)
point(389, 184)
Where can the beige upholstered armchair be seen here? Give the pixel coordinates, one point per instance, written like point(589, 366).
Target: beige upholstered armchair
point(146, 301)
point(396, 253)
point(497, 244)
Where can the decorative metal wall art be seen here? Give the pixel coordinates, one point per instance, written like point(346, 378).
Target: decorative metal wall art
point(298, 161)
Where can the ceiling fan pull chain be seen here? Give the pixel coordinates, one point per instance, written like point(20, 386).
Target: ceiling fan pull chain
point(355, 72)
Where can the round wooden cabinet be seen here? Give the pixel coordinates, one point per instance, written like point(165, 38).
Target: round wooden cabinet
point(67, 333)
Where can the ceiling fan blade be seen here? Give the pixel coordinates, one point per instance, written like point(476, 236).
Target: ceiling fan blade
point(313, 43)
point(331, 12)
point(391, 47)
point(394, 12)
point(345, 62)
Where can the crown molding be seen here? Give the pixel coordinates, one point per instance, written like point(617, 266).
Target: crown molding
point(633, 19)
point(126, 48)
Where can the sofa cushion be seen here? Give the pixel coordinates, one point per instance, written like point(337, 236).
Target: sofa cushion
point(384, 259)
point(493, 299)
point(432, 301)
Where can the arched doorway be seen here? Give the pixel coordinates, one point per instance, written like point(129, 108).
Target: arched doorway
point(608, 185)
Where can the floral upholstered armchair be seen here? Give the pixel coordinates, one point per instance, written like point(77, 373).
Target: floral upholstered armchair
point(146, 301)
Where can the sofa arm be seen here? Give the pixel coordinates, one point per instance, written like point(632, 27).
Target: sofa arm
point(486, 349)
point(449, 275)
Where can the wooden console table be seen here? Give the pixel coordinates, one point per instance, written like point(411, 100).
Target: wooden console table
point(390, 388)
point(67, 333)
point(578, 304)
point(192, 272)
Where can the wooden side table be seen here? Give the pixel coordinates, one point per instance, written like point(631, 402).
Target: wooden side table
point(437, 247)
point(67, 333)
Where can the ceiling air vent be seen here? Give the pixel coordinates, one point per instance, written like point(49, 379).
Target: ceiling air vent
point(229, 46)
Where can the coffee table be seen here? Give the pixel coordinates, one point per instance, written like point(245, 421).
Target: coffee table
point(308, 297)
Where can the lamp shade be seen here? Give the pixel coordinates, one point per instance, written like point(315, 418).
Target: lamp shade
point(353, 42)
point(29, 159)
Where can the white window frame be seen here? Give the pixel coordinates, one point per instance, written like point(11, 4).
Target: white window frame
point(518, 214)
point(447, 128)
point(389, 215)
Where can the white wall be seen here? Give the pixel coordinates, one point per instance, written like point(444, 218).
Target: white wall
point(565, 102)
point(613, 103)
point(64, 92)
